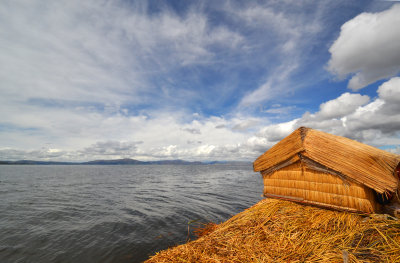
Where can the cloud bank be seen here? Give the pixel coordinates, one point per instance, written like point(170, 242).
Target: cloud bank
point(115, 79)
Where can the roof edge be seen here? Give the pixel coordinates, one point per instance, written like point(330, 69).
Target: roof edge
point(298, 134)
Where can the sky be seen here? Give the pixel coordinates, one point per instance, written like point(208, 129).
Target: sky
point(194, 80)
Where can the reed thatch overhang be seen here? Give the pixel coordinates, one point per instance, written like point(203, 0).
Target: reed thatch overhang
point(346, 158)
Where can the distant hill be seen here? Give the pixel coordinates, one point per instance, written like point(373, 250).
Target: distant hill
point(31, 162)
point(114, 162)
point(133, 161)
point(125, 161)
point(174, 162)
point(229, 162)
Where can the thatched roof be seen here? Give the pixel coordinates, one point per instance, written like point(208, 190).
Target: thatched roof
point(341, 156)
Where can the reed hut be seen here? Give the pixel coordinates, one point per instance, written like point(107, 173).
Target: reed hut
point(322, 169)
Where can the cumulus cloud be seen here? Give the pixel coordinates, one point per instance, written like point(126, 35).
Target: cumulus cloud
point(375, 122)
point(276, 132)
point(368, 47)
point(390, 90)
point(381, 116)
point(341, 106)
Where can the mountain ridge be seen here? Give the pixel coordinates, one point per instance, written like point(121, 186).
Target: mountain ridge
point(124, 161)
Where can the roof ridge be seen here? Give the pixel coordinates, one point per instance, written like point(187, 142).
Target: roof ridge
point(303, 133)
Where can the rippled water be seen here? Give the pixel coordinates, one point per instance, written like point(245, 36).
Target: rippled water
point(113, 213)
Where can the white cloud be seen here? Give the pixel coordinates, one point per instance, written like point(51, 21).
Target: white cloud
point(390, 90)
point(76, 74)
point(85, 135)
point(369, 47)
point(99, 51)
point(341, 106)
point(166, 136)
point(110, 149)
point(41, 154)
point(371, 123)
point(376, 122)
point(100, 79)
point(243, 125)
point(276, 132)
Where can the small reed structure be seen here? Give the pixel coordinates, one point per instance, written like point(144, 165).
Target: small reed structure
point(322, 169)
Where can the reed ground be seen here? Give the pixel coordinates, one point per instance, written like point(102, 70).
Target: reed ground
point(282, 231)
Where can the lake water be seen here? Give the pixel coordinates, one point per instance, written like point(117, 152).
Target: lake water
point(114, 213)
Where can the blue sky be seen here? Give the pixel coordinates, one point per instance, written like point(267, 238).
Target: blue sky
point(205, 80)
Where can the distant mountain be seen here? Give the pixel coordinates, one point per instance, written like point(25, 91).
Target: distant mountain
point(176, 162)
point(31, 162)
point(229, 162)
point(133, 161)
point(125, 161)
point(114, 162)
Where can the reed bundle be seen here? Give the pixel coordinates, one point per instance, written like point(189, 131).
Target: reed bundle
point(300, 183)
point(282, 231)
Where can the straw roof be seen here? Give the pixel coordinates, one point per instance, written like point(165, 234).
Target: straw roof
point(338, 155)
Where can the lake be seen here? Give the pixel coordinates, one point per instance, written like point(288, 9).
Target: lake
point(122, 213)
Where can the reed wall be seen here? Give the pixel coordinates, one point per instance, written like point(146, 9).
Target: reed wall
point(300, 183)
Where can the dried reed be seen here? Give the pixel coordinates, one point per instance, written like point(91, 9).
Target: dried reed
point(311, 186)
point(282, 231)
point(363, 163)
